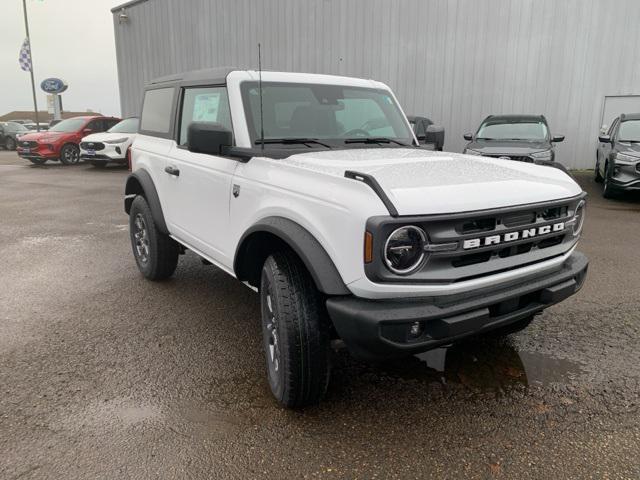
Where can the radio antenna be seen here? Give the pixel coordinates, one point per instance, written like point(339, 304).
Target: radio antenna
point(260, 87)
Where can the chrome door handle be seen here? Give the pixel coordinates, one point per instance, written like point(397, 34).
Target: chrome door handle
point(172, 171)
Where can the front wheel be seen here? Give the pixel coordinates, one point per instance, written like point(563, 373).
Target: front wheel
point(597, 176)
point(156, 253)
point(295, 332)
point(608, 191)
point(70, 154)
point(10, 144)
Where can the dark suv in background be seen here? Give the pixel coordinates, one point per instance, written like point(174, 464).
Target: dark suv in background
point(524, 138)
point(618, 156)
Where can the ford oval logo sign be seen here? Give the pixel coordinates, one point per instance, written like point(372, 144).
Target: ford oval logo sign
point(53, 85)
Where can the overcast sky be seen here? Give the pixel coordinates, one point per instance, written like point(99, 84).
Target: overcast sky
point(70, 39)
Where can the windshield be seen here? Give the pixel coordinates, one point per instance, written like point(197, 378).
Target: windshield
point(69, 125)
point(629, 131)
point(128, 125)
point(513, 130)
point(332, 113)
point(15, 127)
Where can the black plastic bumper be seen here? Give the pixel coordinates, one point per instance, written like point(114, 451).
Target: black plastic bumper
point(378, 329)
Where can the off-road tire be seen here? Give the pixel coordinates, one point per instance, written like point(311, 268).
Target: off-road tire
point(514, 327)
point(70, 154)
point(292, 307)
point(10, 144)
point(160, 258)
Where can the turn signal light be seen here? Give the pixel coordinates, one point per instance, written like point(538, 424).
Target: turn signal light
point(368, 247)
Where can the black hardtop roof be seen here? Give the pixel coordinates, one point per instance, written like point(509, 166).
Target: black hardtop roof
point(207, 75)
point(629, 116)
point(515, 118)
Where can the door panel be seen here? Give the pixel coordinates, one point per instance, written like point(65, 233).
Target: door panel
point(198, 210)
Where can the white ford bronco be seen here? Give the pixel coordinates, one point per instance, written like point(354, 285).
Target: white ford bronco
point(314, 191)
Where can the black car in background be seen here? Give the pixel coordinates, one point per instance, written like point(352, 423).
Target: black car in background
point(524, 138)
point(9, 133)
point(618, 156)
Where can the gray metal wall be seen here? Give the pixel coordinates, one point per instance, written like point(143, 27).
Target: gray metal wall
point(454, 60)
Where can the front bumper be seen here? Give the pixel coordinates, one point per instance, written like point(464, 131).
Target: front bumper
point(41, 151)
point(378, 329)
point(110, 152)
point(626, 176)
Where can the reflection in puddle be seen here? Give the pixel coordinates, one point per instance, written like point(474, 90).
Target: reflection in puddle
point(486, 366)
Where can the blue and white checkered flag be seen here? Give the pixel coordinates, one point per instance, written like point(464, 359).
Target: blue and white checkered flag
point(25, 56)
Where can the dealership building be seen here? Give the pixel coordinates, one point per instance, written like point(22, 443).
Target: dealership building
point(454, 61)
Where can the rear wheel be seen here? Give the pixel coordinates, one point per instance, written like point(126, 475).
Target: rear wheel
point(155, 252)
point(70, 154)
point(511, 328)
point(295, 332)
point(10, 144)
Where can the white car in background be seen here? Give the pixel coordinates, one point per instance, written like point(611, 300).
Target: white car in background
point(99, 149)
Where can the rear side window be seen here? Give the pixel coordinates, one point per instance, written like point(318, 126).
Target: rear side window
point(156, 111)
point(208, 104)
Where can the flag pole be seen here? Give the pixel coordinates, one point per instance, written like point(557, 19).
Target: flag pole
point(33, 83)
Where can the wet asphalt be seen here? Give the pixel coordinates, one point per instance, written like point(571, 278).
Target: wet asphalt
point(106, 375)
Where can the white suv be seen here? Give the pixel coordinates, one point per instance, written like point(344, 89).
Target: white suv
point(112, 146)
point(312, 190)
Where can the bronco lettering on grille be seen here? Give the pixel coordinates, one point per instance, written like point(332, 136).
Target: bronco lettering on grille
point(512, 236)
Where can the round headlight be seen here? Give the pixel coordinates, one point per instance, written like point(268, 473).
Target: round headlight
point(404, 249)
point(579, 218)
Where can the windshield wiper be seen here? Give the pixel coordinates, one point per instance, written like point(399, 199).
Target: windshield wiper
point(375, 140)
point(484, 138)
point(629, 141)
point(290, 141)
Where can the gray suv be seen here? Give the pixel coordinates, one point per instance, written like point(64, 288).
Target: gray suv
point(524, 138)
point(618, 156)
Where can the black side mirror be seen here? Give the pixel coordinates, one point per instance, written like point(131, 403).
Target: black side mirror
point(558, 138)
point(468, 136)
point(604, 138)
point(208, 137)
point(435, 135)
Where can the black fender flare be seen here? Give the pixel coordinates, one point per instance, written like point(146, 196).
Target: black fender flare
point(141, 183)
point(301, 241)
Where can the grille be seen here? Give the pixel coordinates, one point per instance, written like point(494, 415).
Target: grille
point(28, 144)
point(475, 244)
point(517, 158)
point(92, 145)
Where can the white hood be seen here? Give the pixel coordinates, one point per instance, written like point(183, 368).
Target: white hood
point(103, 136)
point(422, 182)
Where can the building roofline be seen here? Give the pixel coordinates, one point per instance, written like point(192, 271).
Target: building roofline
point(128, 4)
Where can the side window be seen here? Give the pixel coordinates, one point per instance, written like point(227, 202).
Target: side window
point(156, 111)
point(109, 123)
point(95, 126)
point(208, 104)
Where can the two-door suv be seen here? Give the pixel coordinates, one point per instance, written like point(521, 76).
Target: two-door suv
point(313, 190)
point(61, 142)
point(618, 156)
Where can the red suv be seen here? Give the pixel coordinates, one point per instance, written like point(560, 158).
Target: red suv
point(61, 141)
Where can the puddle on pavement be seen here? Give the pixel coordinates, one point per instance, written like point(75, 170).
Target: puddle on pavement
point(486, 366)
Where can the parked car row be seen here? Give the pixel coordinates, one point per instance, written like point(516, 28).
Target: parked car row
point(97, 140)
